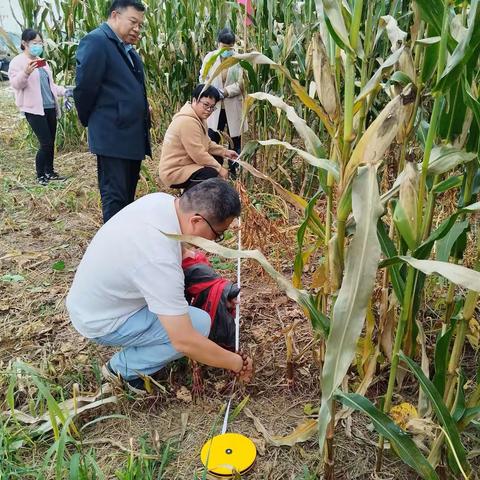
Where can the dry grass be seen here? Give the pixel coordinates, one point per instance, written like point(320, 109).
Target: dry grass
point(41, 226)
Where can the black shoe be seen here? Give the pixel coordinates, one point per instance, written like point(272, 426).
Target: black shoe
point(137, 385)
point(43, 180)
point(55, 176)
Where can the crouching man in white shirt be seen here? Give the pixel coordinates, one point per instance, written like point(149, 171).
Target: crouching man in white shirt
point(128, 290)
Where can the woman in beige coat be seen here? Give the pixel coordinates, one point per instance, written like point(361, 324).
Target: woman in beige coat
point(230, 85)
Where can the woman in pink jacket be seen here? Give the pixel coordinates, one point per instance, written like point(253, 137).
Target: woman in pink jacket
point(36, 95)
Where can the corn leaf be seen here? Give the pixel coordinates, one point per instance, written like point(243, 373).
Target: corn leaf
point(238, 409)
point(451, 182)
point(459, 407)
point(467, 47)
point(471, 99)
point(403, 444)
point(322, 163)
point(300, 255)
point(446, 157)
point(423, 251)
point(257, 58)
point(445, 245)
point(441, 411)
point(358, 282)
point(431, 11)
point(457, 274)
point(389, 250)
point(312, 142)
point(441, 357)
point(373, 83)
point(428, 41)
point(332, 10)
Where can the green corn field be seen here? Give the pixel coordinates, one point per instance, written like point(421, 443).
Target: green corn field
point(365, 123)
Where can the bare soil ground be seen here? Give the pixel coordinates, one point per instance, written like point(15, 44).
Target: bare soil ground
point(41, 226)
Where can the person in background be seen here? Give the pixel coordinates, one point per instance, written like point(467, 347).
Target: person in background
point(36, 95)
point(230, 85)
point(111, 100)
point(187, 156)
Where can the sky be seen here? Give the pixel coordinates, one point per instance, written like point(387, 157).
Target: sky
point(6, 19)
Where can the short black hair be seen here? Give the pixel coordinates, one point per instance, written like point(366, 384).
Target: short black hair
point(215, 198)
point(226, 36)
point(209, 92)
point(123, 4)
point(30, 34)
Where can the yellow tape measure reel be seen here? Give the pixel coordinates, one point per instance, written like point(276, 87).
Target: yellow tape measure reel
point(226, 454)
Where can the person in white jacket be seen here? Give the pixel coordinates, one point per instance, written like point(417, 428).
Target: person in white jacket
point(230, 85)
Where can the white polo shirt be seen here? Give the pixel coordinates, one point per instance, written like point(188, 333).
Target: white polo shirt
point(129, 264)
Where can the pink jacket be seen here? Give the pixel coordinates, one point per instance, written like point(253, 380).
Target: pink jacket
point(28, 95)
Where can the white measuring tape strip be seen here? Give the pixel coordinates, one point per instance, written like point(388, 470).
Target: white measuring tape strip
point(237, 327)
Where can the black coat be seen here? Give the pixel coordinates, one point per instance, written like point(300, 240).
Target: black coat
point(110, 96)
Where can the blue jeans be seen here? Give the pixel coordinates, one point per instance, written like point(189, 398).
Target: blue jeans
point(146, 345)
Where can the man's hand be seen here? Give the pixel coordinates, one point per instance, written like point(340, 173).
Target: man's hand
point(31, 66)
point(185, 339)
point(247, 374)
point(223, 172)
point(231, 154)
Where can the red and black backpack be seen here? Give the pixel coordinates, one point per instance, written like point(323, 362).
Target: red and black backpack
point(205, 289)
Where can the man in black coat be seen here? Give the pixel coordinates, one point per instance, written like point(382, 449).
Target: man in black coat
point(111, 101)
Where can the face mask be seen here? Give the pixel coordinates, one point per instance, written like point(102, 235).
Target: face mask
point(227, 53)
point(36, 50)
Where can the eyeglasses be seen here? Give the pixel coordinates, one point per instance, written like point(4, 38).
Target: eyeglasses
point(208, 108)
point(218, 236)
point(134, 23)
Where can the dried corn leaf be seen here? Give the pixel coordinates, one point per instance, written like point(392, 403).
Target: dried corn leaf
point(323, 163)
point(298, 296)
point(378, 137)
point(302, 432)
point(394, 33)
point(312, 142)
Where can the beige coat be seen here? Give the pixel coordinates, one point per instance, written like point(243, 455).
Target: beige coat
point(233, 103)
point(187, 148)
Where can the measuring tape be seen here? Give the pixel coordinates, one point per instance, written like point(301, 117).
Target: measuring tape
point(230, 453)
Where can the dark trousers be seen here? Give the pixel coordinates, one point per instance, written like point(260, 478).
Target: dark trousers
point(117, 181)
point(44, 127)
point(215, 137)
point(199, 176)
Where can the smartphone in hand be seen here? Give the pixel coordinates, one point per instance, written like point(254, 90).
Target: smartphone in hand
point(41, 62)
